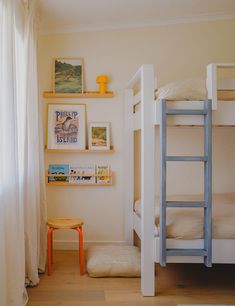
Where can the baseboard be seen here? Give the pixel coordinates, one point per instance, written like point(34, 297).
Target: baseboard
point(73, 244)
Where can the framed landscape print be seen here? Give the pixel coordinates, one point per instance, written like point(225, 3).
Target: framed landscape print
point(99, 136)
point(68, 75)
point(66, 126)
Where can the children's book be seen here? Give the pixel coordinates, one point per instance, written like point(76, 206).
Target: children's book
point(103, 174)
point(58, 169)
point(83, 174)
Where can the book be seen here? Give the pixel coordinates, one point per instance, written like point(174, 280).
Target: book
point(85, 174)
point(58, 169)
point(103, 174)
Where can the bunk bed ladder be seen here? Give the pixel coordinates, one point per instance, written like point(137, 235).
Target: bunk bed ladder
point(206, 252)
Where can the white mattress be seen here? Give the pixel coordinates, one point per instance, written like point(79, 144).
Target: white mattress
point(187, 223)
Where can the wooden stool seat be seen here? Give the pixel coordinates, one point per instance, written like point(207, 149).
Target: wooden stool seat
point(64, 223)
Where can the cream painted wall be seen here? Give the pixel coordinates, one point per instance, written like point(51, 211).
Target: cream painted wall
point(177, 52)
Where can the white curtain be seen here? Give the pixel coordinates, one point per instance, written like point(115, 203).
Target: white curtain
point(34, 176)
point(22, 190)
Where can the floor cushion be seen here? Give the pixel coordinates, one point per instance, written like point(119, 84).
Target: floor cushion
point(113, 261)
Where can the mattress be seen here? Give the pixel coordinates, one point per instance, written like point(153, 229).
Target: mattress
point(187, 223)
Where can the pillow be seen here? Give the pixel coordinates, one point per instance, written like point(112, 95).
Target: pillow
point(192, 89)
point(113, 261)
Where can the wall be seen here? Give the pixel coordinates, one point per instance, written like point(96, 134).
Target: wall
point(177, 52)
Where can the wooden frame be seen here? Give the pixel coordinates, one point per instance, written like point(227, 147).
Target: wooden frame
point(68, 75)
point(99, 136)
point(66, 126)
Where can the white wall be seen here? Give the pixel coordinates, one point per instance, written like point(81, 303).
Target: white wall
point(177, 52)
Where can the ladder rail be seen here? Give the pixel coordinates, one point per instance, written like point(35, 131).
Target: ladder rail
point(208, 183)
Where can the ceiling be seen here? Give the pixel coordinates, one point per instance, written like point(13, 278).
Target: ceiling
point(59, 16)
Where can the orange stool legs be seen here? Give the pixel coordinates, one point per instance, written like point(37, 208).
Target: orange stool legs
point(50, 249)
point(81, 251)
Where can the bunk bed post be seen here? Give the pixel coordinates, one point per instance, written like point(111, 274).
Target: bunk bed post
point(211, 84)
point(147, 181)
point(163, 153)
point(129, 166)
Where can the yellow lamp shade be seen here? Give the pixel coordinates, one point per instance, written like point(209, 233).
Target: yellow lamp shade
point(102, 79)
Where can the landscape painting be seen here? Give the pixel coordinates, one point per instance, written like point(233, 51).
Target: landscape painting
point(68, 75)
point(99, 136)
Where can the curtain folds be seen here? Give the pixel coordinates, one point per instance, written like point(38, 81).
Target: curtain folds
point(22, 187)
point(34, 191)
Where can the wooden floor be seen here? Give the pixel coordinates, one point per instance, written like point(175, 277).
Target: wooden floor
point(177, 284)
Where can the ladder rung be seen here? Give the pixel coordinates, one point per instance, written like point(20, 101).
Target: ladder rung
point(186, 111)
point(186, 204)
point(186, 158)
point(186, 252)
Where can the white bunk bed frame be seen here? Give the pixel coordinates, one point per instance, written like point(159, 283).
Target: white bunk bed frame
point(145, 119)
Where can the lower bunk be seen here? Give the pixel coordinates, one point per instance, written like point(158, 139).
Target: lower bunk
point(185, 229)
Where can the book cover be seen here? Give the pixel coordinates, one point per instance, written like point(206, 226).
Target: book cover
point(58, 169)
point(103, 173)
point(85, 174)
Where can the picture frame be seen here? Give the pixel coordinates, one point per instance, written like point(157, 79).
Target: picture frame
point(99, 136)
point(66, 126)
point(68, 75)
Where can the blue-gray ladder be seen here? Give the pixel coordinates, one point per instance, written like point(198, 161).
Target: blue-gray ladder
point(206, 252)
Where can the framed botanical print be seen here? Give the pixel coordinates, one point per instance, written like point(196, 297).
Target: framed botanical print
point(68, 75)
point(66, 126)
point(99, 136)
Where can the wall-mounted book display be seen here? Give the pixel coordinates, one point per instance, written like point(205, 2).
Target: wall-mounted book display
point(79, 175)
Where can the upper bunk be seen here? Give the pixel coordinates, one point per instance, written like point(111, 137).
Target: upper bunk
point(143, 97)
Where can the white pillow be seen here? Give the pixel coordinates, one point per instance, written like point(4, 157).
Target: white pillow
point(192, 89)
point(113, 261)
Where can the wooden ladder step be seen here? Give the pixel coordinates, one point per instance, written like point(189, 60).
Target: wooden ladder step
point(186, 252)
point(199, 204)
point(186, 111)
point(187, 158)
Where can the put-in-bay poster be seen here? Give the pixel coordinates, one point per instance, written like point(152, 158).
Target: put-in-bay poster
point(66, 126)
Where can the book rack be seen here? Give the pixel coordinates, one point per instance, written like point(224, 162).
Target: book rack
point(66, 183)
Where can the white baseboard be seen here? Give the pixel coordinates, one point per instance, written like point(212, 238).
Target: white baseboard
point(73, 244)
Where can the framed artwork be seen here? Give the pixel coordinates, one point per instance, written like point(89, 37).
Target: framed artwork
point(66, 126)
point(99, 136)
point(68, 75)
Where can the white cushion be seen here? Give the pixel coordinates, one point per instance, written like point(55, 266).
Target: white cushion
point(113, 261)
point(191, 89)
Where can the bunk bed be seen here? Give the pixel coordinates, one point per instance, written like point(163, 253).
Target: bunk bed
point(158, 244)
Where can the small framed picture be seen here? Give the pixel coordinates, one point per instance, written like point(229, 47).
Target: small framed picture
point(66, 126)
point(68, 75)
point(99, 136)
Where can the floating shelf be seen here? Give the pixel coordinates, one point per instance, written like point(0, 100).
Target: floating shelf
point(86, 151)
point(86, 95)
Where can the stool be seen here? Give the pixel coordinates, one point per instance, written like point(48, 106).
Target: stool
point(64, 223)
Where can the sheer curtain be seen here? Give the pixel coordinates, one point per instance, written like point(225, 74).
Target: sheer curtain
point(22, 190)
point(34, 176)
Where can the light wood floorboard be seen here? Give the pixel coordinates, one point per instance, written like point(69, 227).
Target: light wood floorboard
point(176, 284)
